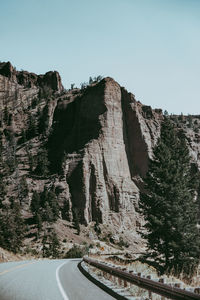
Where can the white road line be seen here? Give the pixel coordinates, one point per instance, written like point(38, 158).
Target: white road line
point(59, 283)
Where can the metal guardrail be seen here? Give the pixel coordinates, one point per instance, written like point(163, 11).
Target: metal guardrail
point(148, 284)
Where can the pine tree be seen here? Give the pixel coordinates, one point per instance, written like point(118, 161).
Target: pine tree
point(11, 228)
point(53, 203)
point(65, 210)
point(6, 115)
point(168, 205)
point(32, 127)
point(42, 163)
point(35, 203)
point(47, 213)
point(38, 220)
point(23, 189)
point(54, 245)
point(2, 190)
point(45, 249)
point(50, 245)
point(76, 220)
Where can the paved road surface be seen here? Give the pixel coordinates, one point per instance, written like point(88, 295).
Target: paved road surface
point(47, 280)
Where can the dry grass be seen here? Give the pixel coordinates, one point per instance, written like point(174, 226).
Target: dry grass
point(6, 256)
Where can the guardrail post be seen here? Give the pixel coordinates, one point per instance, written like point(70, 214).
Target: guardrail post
point(125, 282)
point(110, 276)
point(119, 281)
point(150, 293)
point(197, 291)
point(161, 280)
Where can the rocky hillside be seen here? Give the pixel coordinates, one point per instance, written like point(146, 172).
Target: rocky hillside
point(89, 147)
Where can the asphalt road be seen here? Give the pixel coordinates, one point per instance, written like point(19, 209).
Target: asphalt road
point(47, 280)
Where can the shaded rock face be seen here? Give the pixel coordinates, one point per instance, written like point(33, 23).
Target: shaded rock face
point(106, 138)
point(98, 139)
point(141, 127)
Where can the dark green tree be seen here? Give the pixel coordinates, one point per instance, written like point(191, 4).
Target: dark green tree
point(65, 210)
point(90, 80)
point(54, 245)
point(1, 145)
point(49, 204)
point(32, 127)
point(38, 220)
point(44, 196)
point(45, 207)
point(23, 189)
point(2, 190)
point(53, 203)
point(45, 248)
point(76, 220)
point(169, 207)
point(42, 163)
point(12, 228)
point(35, 203)
point(6, 115)
point(50, 245)
point(47, 214)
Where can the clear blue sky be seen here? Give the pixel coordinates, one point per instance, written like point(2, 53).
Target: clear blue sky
point(152, 47)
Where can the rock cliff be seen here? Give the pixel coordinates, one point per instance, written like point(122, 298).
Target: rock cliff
point(97, 141)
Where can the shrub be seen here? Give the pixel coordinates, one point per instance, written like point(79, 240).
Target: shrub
point(77, 252)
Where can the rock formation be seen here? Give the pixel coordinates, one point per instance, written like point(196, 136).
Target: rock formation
point(98, 139)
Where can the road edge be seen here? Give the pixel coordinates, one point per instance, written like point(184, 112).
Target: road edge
point(100, 284)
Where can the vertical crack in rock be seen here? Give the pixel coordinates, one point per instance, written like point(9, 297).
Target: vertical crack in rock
point(135, 144)
point(96, 214)
point(109, 187)
point(76, 188)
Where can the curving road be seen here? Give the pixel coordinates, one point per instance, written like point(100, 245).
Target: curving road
point(47, 280)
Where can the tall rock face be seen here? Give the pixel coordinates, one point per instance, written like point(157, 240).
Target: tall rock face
point(107, 137)
point(98, 140)
point(141, 130)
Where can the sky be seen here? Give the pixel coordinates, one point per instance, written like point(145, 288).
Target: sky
point(151, 47)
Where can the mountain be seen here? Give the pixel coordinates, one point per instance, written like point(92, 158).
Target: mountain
point(90, 147)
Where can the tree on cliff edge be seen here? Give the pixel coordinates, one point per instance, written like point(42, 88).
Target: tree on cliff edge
point(168, 205)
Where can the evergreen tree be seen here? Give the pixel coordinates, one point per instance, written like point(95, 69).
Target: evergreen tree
point(50, 245)
point(44, 207)
point(45, 249)
point(11, 228)
point(23, 138)
point(6, 115)
point(32, 127)
point(53, 203)
point(42, 163)
point(35, 203)
point(90, 80)
point(47, 213)
point(76, 220)
point(2, 190)
point(38, 220)
point(54, 245)
point(168, 205)
point(65, 210)
point(23, 189)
